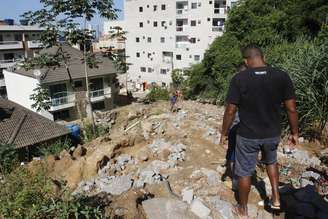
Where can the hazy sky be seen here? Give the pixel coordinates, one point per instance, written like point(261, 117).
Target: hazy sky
point(14, 8)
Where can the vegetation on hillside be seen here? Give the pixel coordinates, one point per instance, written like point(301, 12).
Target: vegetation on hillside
point(294, 36)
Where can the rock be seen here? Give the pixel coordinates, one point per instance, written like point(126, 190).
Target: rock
point(74, 173)
point(301, 140)
point(64, 153)
point(115, 185)
point(164, 154)
point(213, 177)
point(187, 195)
point(199, 209)
point(220, 169)
point(157, 166)
point(222, 207)
point(252, 211)
point(263, 214)
point(79, 151)
point(164, 208)
point(303, 157)
point(143, 155)
point(147, 128)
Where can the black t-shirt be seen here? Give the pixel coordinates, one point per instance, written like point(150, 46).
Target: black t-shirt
point(259, 93)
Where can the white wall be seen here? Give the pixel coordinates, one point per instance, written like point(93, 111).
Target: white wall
point(203, 15)
point(19, 88)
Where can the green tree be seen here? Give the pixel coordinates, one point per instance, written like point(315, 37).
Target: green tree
point(40, 98)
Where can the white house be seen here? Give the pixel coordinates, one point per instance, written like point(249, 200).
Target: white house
point(17, 42)
point(163, 35)
point(67, 91)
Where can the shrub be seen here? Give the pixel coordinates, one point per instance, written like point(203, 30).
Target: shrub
point(157, 93)
point(8, 158)
point(25, 194)
point(56, 147)
point(89, 135)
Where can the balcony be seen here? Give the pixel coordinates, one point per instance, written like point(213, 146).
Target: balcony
point(182, 12)
point(6, 45)
point(34, 44)
point(99, 95)
point(222, 11)
point(9, 63)
point(2, 82)
point(181, 28)
point(182, 45)
point(218, 28)
point(62, 102)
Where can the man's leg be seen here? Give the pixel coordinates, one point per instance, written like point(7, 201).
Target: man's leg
point(269, 153)
point(245, 164)
point(273, 174)
point(244, 187)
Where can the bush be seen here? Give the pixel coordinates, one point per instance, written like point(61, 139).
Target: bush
point(8, 158)
point(56, 147)
point(88, 134)
point(157, 93)
point(25, 194)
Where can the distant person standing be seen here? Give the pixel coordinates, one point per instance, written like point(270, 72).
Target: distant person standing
point(173, 101)
point(258, 93)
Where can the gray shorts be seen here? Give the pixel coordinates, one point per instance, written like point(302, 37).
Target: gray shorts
point(247, 151)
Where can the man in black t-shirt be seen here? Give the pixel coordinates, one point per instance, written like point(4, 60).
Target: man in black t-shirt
point(258, 93)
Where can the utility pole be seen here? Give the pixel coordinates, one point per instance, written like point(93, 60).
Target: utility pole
point(87, 80)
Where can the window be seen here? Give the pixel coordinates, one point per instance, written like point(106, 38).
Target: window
point(155, 7)
point(78, 84)
point(193, 23)
point(199, 21)
point(193, 5)
point(8, 56)
point(163, 23)
point(155, 23)
point(138, 54)
point(149, 39)
point(163, 84)
point(197, 57)
point(178, 57)
point(192, 40)
point(140, 24)
point(61, 115)
point(163, 7)
point(98, 106)
point(149, 55)
point(208, 19)
point(140, 9)
point(210, 2)
point(150, 70)
point(163, 71)
point(143, 69)
point(148, 22)
point(137, 39)
point(18, 37)
point(162, 39)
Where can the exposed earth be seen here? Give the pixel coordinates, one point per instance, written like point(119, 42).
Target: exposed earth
point(157, 164)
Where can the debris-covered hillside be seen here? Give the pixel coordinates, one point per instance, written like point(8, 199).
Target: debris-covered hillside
point(157, 164)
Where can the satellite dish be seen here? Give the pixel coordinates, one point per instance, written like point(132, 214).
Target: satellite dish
point(37, 73)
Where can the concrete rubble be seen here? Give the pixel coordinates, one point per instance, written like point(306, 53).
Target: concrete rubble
point(151, 148)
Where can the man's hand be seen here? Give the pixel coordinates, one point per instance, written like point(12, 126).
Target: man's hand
point(224, 142)
point(293, 140)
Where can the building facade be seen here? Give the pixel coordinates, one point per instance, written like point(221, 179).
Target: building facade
point(17, 42)
point(67, 93)
point(163, 35)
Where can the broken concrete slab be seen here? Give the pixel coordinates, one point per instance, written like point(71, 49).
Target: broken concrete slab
point(199, 209)
point(164, 208)
point(222, 207)
point(187, 195)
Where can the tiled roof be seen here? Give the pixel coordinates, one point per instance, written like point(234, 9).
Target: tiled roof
point(22, 127)
point(76, 67)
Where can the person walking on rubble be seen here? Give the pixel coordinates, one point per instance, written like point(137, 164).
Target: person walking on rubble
point(258, 93)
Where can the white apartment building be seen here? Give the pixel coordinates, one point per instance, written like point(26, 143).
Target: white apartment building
point(163, 35)
point(17, 42)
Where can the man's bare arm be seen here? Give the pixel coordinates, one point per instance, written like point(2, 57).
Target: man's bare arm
point(293, 120)
point(229, 116)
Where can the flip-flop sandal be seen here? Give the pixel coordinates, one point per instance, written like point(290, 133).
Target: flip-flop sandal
point(273, 207)
point(235, 211)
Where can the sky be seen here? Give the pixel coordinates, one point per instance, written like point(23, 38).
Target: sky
point(14, 8)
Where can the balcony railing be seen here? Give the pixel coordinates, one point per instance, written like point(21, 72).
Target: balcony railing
point(220, 11)
point(181, 28)
point(182, 11)
point(5, 45)
point(2, 82)
point(9, 63)
point(218, 28)
point(100, 94)
point(63, 102)
point(97, 93)
point(182, 45)
point(34, 44)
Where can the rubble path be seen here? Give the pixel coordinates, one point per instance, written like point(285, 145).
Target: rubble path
point(164, 159)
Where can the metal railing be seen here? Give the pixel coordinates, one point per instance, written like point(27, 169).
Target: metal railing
point(181, 28)
point(218, 28)
point(34, 44)
point(64, 98)
point(10, 42)
point(97, 93)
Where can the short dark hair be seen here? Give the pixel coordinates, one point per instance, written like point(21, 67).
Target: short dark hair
point(251, 51)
